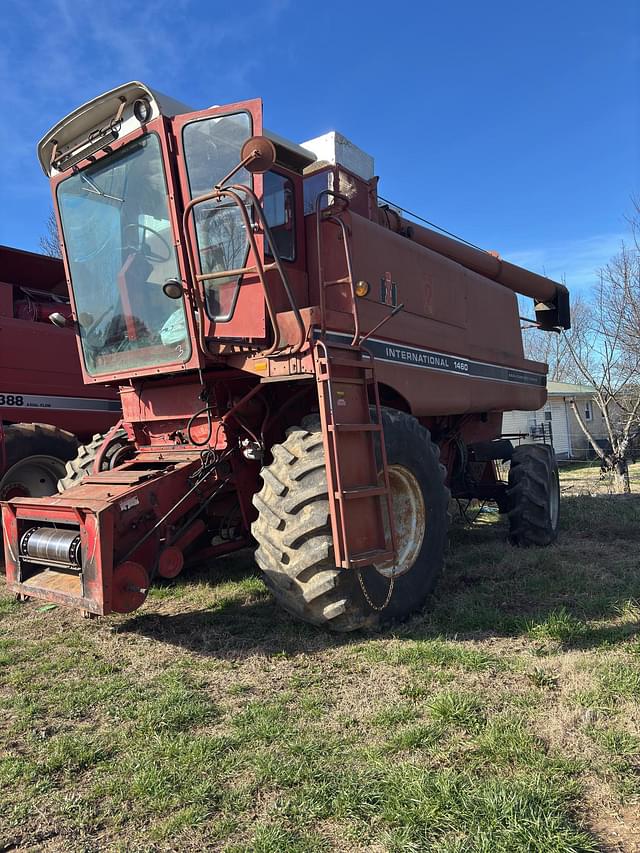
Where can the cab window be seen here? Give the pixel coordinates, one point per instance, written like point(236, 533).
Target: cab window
point(279, 212)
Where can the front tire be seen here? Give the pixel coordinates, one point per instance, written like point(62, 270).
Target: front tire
point(293, 529)
point(534, 496)
point(83, 463)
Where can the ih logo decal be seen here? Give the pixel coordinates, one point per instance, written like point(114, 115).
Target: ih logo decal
point(388, 290)
point(428, 296)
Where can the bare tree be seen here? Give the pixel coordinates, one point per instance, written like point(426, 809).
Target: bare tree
point(553, 350)
point(50, 241)
point(604, 348)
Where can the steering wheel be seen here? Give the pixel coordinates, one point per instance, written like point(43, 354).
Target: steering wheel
point(150, 256)
point(90, 336)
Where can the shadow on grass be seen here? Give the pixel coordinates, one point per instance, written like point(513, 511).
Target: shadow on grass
point(241, 622)
point(590, 574)
point(489, 588)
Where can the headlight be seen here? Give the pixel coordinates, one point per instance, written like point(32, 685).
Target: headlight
point(142, 110)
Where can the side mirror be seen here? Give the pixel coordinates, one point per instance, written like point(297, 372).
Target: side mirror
point(258, 154)
point(58, 319)
point(172, 288)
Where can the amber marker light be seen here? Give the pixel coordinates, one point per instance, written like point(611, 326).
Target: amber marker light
point(362, 288)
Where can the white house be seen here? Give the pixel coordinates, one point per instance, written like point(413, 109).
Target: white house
point(569, 441)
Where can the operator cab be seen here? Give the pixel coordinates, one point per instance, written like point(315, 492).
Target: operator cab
point(177, 246)
point(120, 194)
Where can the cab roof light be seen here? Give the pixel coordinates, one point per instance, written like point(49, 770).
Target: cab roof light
point(73, 157)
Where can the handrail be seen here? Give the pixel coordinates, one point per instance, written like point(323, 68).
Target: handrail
point(347, 250)
point(277, 261)
point(259, 267)
point(232, 273)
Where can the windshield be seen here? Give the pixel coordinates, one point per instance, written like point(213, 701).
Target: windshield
point(119, 244)
point(212, 148)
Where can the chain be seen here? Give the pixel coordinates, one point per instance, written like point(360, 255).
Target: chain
point(366, 594)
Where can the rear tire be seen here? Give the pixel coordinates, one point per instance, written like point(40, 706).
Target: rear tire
point(84, 461)
point(35, 458)
point(295, 544)
point(534, 496)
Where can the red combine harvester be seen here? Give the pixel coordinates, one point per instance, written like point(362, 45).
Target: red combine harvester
point(297, 362)
point(44, 405)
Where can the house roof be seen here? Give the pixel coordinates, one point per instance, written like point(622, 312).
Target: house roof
point(566, 389)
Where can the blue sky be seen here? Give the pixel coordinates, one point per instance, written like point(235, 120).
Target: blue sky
point(515, 125)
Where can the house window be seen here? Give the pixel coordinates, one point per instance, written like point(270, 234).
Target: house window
point(588, 410)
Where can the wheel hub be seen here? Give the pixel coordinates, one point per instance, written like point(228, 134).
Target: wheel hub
point(410, 521)
point(34, 477)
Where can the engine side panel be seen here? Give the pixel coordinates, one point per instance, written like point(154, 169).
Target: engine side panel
point(447, 350)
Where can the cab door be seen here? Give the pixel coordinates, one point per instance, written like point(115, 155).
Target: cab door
point(209, 144)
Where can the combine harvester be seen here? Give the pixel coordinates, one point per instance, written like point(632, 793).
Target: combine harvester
point(297, 363)
point(44, 405)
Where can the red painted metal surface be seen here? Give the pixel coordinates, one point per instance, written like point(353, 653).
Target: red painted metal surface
point(452, 356)
point(249, 318)
point(39, 360)
point(129, 587)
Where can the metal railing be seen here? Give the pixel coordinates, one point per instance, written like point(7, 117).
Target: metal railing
point(259, 268)
point(538, 433)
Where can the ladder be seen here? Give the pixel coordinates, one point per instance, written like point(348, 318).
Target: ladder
point(359, 495)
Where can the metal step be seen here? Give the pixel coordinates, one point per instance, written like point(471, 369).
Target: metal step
point(345, 346)
point(350, 380)
point(361, 492)
point(346, 362)
point(355, 427)
point(365, 558)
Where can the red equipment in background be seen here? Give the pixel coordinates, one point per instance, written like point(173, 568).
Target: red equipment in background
point(44, 405)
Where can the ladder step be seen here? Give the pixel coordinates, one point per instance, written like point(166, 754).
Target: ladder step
point(338, 345)
point(355, 428)
point(364, 558)
point(349, 380)
point(361, 492)
point(346, 362)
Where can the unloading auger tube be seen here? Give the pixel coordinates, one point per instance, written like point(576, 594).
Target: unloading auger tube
point(551, 297)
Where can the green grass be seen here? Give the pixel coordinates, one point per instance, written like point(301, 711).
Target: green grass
point(502, 719)
point(579, 478)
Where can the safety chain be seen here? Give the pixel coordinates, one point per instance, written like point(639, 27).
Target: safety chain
point(366, 594)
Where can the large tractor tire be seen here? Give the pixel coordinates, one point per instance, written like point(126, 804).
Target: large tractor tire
point(293, 530)
point(83, 462)
point(35, 457)
point(534, 496)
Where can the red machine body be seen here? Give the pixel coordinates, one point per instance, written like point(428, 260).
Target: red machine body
point(40, 377)
point(246, 284)
point(39, 368)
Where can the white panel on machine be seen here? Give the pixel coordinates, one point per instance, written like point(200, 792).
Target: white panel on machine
point(335, 148)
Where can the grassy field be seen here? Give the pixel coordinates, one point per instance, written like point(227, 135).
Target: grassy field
point(505, 718)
